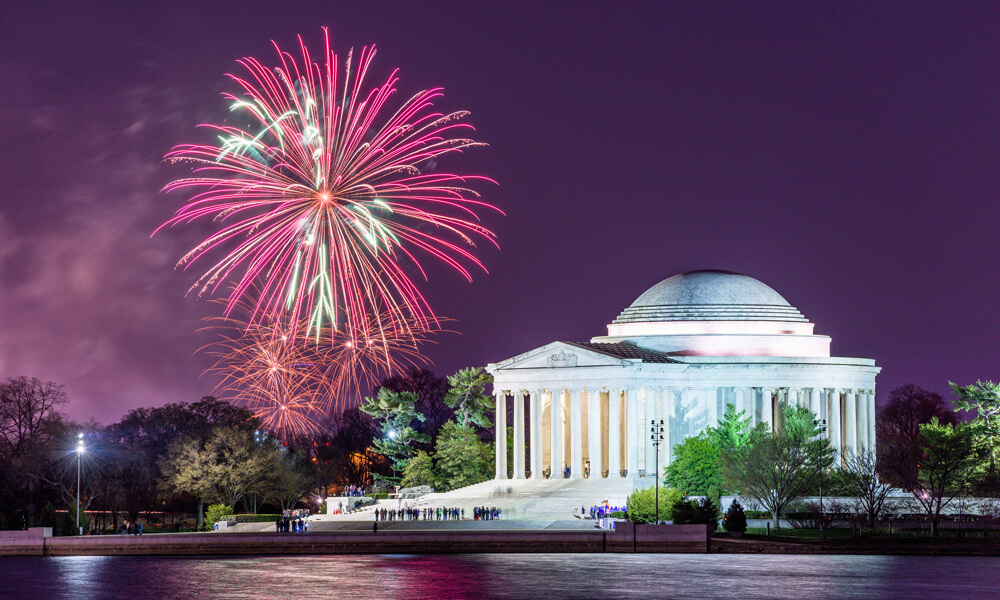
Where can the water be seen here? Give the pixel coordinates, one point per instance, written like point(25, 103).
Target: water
point(534, 576)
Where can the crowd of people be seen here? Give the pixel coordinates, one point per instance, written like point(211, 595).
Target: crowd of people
point(352, 491)
point(419, 514)
point(603, 510)
point(292, 521)
point(486, 513)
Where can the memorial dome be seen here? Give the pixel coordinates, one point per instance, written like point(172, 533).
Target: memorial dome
point(710, 295)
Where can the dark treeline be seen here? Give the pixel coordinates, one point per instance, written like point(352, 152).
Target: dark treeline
point(164, 465)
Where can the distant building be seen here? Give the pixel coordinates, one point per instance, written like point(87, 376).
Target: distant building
point(684, 349)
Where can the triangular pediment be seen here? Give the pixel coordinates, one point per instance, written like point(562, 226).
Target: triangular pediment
point(560, 355)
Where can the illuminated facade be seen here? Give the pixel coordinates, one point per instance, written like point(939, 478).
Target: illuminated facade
point(681, 352)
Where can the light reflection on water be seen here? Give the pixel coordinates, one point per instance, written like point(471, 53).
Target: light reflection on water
point(538, 576)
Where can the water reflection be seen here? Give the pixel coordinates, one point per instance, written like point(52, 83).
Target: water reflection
point(540, 576)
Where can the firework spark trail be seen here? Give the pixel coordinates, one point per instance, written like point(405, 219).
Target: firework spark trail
point(322, 200)
point(292, 383)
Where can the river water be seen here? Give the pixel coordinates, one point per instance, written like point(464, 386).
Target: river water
point(531, 576)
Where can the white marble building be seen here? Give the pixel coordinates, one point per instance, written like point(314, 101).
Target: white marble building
point(683, 350)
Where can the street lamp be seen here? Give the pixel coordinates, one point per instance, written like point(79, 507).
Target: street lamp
point(80, 449)
point(821, 426)
point(656, 435)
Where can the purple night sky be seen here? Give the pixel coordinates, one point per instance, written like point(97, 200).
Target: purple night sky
point(846, 155)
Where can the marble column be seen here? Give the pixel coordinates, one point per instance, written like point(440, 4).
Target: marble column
point(518, 434)
point(576, 434)
point(767, 408)
point(712, 398)
point(500, 425)
point(650, 414)
point(871, 420)
point(851, 422)
point(862, 420)
point(793, 397)
point(594, 432)
point(834, 423)
point(814, 403)
point(555, 449)
point(614, 433)
point(631, 433)
point(535, 447)
point(740, 404)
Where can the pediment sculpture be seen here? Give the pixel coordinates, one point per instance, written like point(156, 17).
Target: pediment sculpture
point(562, 359)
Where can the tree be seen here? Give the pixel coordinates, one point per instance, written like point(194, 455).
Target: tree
point(898, 430)
point(224, 468)
point(684, 512)
point(420, 471)
point(695, 467)
point(466, 396)
point(736, 518)
point(859, 479)
point(641, 504)
point(291, 480)
point(29, 411)
point(460, 457)
point(708, 513)
point(396, 411)
point(946, 464)
point(430, 391)
point(777, 468)
point(983, 397)
point(732, 431)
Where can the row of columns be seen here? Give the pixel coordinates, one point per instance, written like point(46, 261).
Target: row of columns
point(849, 415)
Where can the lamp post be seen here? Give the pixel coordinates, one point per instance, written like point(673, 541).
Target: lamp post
point(821, 425)
point(80, 449)
point(656, 434)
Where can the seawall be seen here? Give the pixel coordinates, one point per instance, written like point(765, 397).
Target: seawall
point(628, 538)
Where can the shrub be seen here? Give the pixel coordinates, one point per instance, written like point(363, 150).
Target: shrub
point(735, 519)
point(215, 514)
point(259, 518)
point(708, 513)
point(641, 504)
point(684, 512)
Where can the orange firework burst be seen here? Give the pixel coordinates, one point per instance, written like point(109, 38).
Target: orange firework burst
point(283, 383)
point(291, 383)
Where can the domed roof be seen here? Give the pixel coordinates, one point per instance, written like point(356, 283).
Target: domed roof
point(710, 296)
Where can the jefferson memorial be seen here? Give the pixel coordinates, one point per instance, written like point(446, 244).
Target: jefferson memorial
point(681, 352)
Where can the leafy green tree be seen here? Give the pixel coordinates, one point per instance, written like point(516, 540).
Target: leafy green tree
point(224, 468)
point(733, 429)
point(396, 412)
point(982, 397)
point(641, 504)
point(695, 467)
point(777, 468)
point(420, 471)
point(736, 518)
point(467, 396)
point(460, 457)
point(947, 463)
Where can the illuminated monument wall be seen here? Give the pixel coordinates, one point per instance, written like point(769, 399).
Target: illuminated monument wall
point(684, 349)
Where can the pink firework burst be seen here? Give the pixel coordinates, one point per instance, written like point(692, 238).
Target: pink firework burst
point(328, 197)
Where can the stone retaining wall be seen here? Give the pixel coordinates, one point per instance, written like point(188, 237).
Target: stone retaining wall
point(645, 538)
